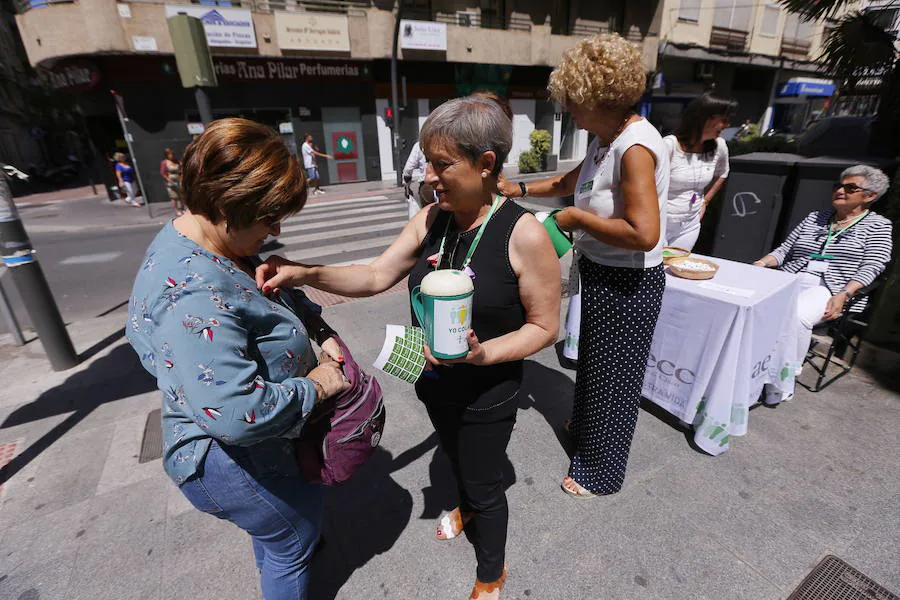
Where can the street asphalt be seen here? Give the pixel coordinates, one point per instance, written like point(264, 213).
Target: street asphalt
point(81, 518)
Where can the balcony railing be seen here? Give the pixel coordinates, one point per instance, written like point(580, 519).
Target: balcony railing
point(731, 40)
point(792, 48)
point(583, 27)
point(334, 6)
point(465, 18)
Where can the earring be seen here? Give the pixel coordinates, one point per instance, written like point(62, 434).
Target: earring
point(484, 174)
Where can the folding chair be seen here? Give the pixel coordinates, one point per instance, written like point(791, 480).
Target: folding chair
point(839, 336)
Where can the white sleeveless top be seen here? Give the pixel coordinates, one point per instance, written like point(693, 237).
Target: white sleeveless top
point(692, 172)
point(598, 191)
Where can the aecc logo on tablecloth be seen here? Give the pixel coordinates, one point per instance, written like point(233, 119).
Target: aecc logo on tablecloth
point(670, 369)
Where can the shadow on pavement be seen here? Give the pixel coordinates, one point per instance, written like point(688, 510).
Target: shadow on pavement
point(113, 377)
point(102, 344)
point(550, 393)
point(364, 517)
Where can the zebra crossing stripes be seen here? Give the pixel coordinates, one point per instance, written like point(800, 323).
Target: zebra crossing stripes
point(339, 232)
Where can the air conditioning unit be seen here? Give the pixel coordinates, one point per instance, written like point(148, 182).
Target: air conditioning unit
point(704, 71)
point(465, 18)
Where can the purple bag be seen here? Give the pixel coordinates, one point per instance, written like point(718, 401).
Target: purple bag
point(342, 432)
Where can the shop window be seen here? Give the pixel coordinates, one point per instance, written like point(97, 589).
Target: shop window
point(733, 14)
point(797, 29)
point(769, 27)
point(689, 10)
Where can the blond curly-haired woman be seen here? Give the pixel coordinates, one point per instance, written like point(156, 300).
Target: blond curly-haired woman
point(620, 195)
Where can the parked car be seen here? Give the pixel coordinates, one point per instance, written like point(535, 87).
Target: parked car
point(836, 136)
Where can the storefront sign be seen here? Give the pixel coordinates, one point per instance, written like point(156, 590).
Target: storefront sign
point(72, 76)
point(804, 86)
point(344, 144)
point(144, 43)
point(423, 35)
point(330, 33)
point(263, 70)
point(224, 27)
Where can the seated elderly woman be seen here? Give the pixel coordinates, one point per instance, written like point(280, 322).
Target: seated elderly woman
point(836, 252)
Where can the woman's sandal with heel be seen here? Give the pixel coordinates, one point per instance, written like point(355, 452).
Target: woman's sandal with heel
point(452, 524)
point(485, 591)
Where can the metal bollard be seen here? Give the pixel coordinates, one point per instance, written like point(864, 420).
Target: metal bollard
point(28, 277)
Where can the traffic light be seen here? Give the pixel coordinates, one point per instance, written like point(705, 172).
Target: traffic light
point(389, 116)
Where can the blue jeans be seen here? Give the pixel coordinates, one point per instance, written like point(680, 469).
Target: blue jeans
point(260, 489)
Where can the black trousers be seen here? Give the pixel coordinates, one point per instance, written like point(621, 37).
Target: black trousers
point(474, 427)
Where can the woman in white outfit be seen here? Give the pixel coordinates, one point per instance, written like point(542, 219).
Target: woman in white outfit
point(836, 252)
point(698, 159)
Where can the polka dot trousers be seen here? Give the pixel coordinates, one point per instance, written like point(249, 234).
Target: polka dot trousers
point(619, 309)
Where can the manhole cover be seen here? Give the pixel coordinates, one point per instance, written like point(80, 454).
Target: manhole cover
point(833, 579)
point(151, 445)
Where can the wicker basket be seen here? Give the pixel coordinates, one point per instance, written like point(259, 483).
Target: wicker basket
point(670, 252)
point(676, 268)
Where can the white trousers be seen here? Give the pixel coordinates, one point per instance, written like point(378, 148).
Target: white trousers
point(683, 234)
point(811, 304)
point(129, 192)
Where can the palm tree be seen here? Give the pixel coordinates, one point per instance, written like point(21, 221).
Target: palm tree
point(857, 50)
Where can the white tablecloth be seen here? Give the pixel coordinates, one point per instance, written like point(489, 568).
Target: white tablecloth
point(717, 342)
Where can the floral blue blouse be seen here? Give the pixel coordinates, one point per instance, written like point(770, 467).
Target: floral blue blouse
point(226, 358)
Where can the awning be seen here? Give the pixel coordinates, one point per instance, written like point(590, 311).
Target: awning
point(806, 86)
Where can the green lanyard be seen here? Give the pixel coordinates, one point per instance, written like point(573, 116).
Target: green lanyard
point(477, 239)
point(834, 235)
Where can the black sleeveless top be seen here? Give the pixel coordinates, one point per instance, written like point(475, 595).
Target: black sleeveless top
point(496, 306)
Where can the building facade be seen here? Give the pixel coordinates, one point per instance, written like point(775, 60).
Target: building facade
point(305, 66)
point(756, 53)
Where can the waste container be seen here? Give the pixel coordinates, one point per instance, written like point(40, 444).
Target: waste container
point(750, 206)
point(813, 186)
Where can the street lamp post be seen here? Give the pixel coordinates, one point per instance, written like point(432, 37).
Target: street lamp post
point(28, 278)
point(396, 133)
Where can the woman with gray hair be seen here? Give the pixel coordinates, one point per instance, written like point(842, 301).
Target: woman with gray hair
point(515, 311)
point(836, 252)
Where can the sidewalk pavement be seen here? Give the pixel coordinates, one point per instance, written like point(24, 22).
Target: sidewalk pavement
point(81, 518)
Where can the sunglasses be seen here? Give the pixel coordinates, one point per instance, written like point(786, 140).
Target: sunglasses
point(849, 188)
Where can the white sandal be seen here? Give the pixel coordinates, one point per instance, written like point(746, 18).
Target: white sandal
point(578, 492)
point(451, 524)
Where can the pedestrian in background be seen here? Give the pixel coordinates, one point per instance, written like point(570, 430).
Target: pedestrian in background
point(502, 102)
point(698, 159)
point(415, 169)
point(620, 194)
point(126, 178)
point(170, 170)
point(310, 153)
point(237, 370)
point(472, 401)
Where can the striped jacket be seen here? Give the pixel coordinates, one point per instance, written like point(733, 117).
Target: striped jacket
point(861, 253)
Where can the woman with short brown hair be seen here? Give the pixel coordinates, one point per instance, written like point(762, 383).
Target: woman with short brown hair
point(237, 370)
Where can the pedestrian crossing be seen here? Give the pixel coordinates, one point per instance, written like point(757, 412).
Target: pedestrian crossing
point(342, 232)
